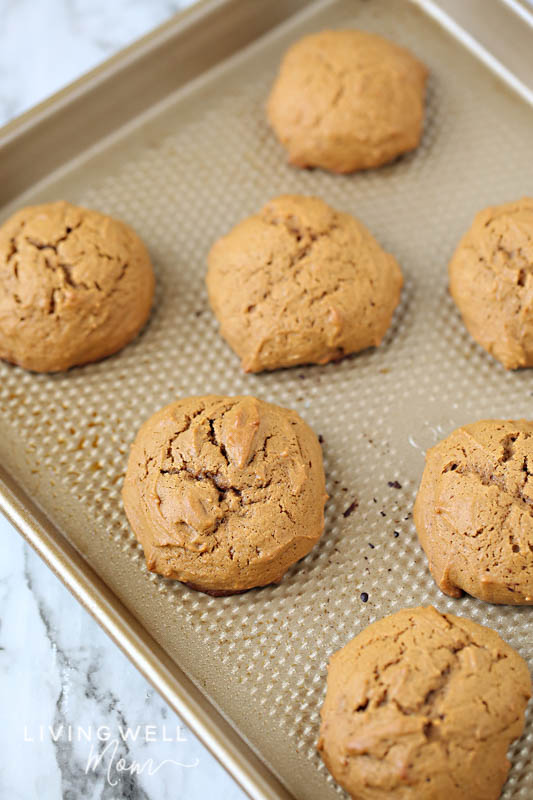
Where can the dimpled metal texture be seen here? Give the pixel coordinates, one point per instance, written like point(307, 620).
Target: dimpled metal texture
point(182, 176)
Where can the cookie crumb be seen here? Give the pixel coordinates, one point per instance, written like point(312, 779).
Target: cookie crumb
point(351, 508)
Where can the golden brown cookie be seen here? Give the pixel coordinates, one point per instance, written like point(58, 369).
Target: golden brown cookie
point(301, 283)
point(347, 100)
point(75, 286)
point(474, 511)
point(423, 706)
point(225, 493)
point(491, 280)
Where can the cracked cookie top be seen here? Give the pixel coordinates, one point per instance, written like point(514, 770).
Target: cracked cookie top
point(301, 283)
point(347, 100)
point(423, 706)
point(225, 493)
point(474, 511)
point(491, 281)
point(75, 286)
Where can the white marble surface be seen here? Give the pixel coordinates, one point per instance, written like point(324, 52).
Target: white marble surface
point(60, 676)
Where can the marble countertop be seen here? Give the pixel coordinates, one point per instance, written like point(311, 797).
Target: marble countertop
point(67, 693)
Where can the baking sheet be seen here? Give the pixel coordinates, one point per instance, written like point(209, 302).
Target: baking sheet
point(182, 174)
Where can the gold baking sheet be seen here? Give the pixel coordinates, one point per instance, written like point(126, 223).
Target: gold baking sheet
point(182, 172)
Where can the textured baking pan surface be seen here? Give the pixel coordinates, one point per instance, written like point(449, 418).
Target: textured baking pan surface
point(182, 175)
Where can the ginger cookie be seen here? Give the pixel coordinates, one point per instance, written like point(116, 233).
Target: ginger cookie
point(491, 281)
point(423, 706)
point(75, 286)
point(347, 100)
point(301, 283)
point(474, 511)
point(225, 493)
